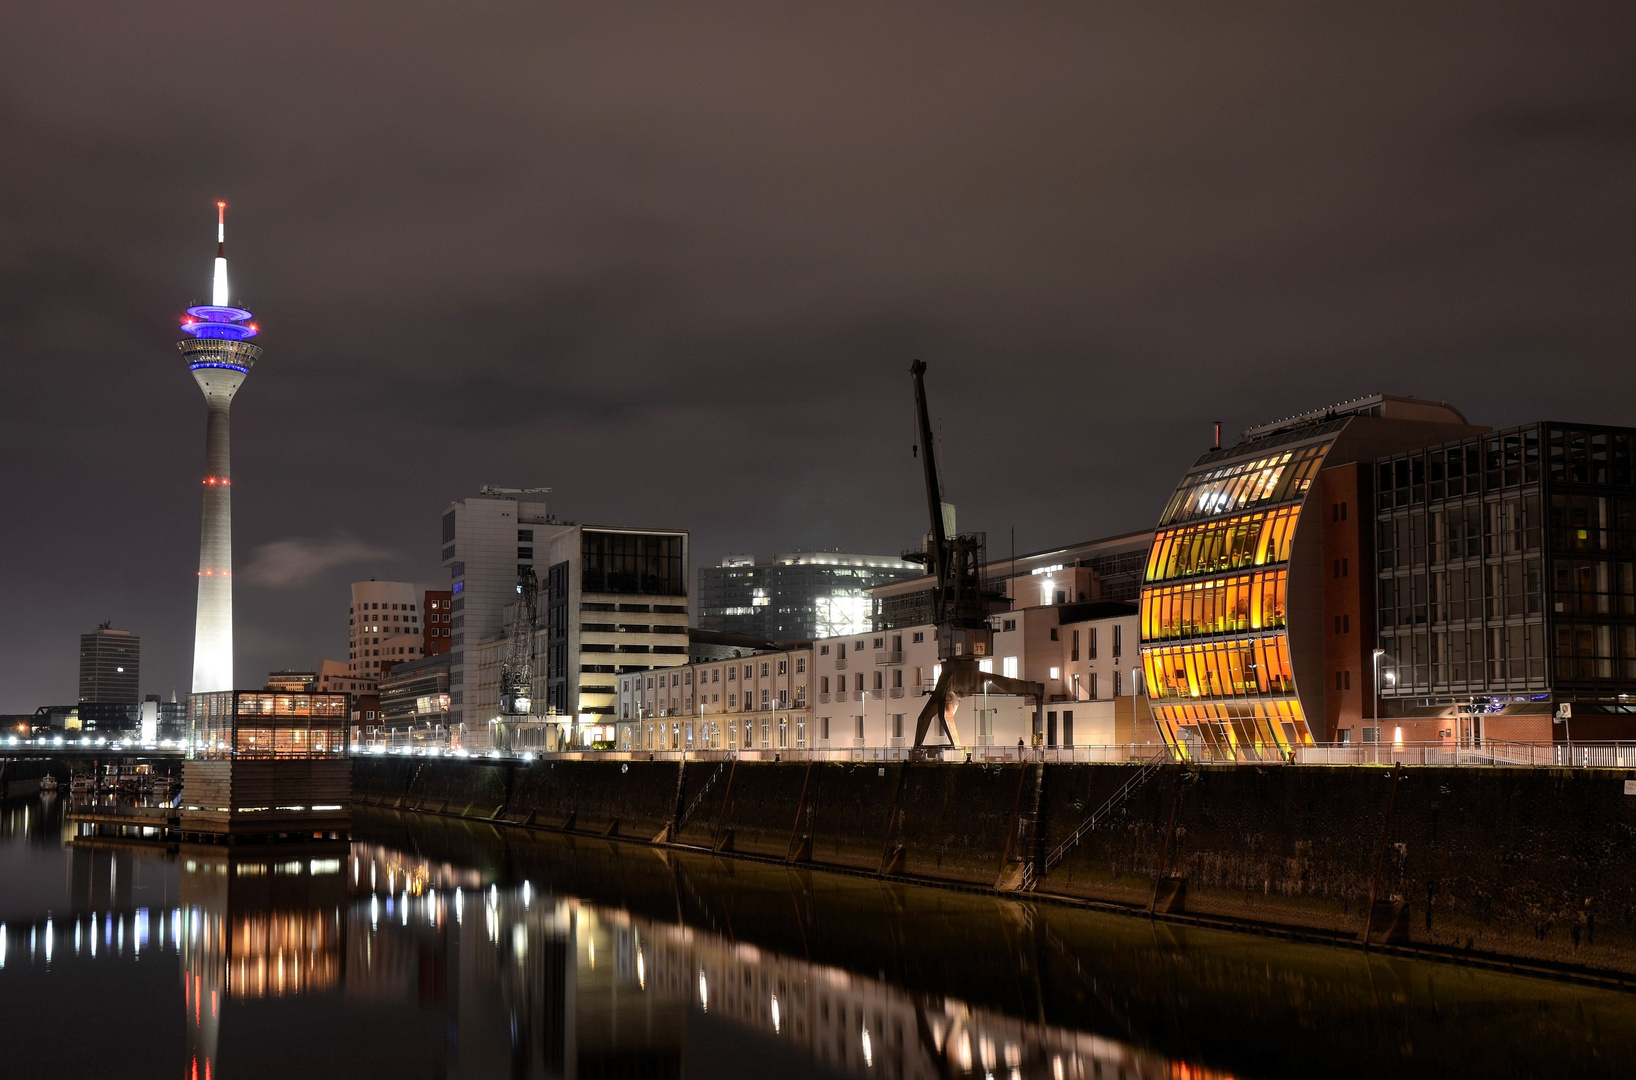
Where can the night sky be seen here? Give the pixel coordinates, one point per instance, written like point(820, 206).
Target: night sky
point(673, 261)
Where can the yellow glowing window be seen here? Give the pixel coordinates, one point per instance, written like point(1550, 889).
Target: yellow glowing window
point(1243, 667)
point(1211, 547)
point(1215, 606)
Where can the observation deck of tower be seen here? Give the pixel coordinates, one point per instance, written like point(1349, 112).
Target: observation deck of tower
point(219, 354)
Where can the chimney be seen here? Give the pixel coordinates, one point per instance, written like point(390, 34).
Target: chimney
point(1218, 436)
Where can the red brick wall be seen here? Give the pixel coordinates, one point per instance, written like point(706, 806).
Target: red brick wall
point(1346, 515)
point(435, 618)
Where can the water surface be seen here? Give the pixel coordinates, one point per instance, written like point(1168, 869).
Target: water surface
point(432, 947)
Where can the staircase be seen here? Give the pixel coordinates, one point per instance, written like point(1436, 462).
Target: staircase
point(1144, 772)
point(681, 822)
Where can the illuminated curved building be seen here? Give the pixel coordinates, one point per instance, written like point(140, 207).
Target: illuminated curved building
point(1257, 556)
point(220, 355)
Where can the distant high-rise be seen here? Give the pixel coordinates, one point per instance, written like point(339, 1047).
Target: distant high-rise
point(796, 596)
point(220, 355)
point(110, 665)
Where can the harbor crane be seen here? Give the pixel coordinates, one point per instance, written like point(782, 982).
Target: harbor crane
point(961, 607)
point(517, 670)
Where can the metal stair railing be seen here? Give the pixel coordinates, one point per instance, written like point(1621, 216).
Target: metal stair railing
point(1114, 802)
point(699, 798)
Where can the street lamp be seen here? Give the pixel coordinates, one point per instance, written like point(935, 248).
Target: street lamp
point(1375, 704)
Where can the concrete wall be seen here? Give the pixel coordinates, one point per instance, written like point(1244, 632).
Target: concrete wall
point(1537, 864)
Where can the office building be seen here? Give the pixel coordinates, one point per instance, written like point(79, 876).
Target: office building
point(110, 665)
point(220, 355)
point(1506, 587)
point(293, 681)
point(486, 540)
point(1243, 582)
point(384, 627)
point(413, 708)
point(162, 719)
point(610, 600)
point(435, 605)
point(796, 596)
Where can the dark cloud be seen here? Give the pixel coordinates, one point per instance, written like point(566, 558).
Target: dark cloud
point(673, 261)
point(299, 561)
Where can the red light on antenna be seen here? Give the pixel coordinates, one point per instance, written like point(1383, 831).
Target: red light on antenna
point(252, 325)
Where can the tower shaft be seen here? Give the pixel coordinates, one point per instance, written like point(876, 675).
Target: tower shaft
point(213, 628)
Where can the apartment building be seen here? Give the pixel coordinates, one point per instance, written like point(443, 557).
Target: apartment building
point(761, 702)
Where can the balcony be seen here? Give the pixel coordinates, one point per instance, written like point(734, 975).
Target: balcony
point(889, 657)
point(877, 694)
point(823, 699)
point(840, 663)
point(897, 691)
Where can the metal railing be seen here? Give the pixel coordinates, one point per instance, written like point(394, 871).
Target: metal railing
point(1489, 752)
point(1134, 752)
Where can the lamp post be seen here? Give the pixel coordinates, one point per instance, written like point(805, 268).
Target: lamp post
point(1374, 706)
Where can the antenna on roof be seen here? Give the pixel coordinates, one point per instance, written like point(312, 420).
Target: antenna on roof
point(218, 282)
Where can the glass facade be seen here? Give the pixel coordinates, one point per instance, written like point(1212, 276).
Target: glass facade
point(1215, 646)
point(229, 724)
point(646, 564)
point(799, 596)
point(1507, 566)
point(1215, 606)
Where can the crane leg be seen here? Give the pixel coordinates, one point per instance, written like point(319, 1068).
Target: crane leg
point(942, 701)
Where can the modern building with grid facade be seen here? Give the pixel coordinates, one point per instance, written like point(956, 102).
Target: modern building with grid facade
point(1507, 586)
point(110, 665)
point(1234, 603)
point(796, 596)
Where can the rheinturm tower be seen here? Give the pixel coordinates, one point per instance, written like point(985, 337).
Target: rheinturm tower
point(220, 355)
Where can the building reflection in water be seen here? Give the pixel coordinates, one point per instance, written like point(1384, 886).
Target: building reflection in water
point(256, 923)
point(527, 984)
point(547, 986)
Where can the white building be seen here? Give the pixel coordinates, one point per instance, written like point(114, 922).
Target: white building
point(869, 688)
point(384, 626)
point(756, 702)
point(485, 540)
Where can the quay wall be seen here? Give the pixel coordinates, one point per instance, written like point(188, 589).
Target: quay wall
point(1533, 864)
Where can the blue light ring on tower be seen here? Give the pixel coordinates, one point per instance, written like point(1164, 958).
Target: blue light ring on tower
point(219, 323)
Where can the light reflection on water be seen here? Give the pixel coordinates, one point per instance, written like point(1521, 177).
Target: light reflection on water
point(451, 949)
